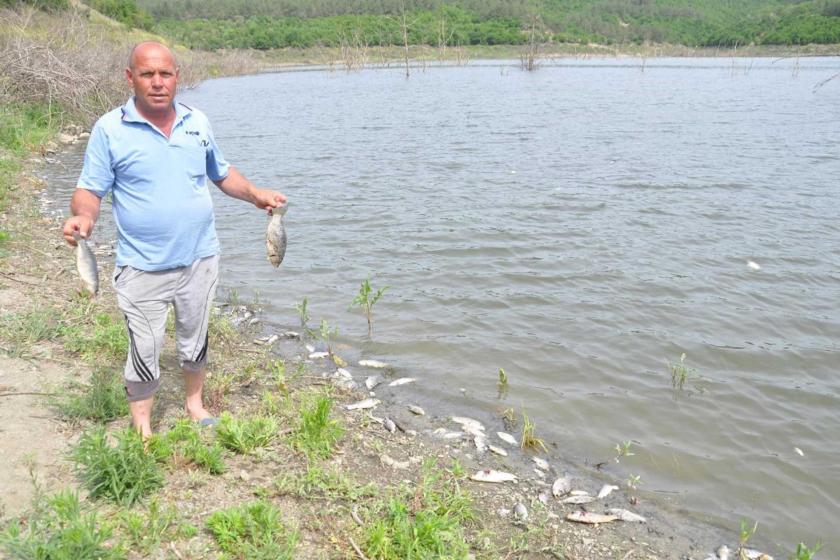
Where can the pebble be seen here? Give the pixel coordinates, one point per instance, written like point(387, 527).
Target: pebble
point(723, 552)
point(416, 410)
point(310, 348)
point(480, 443)
point(388, 461)
point(561, 486)
point(520, 512)
point(244, 476)
point(544, 497)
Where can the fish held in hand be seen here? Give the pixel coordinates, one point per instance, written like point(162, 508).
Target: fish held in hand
point(86, 265)
point(275, 236)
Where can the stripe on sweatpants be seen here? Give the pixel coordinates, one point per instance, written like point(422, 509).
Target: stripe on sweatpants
point(139, 366)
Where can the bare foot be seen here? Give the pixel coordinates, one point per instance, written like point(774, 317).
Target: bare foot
point(197, 413)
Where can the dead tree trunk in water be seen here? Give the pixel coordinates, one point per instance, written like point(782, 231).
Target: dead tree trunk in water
point(405, 37)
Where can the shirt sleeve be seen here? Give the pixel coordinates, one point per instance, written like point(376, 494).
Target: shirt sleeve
point(97, 172)
point(217, 166)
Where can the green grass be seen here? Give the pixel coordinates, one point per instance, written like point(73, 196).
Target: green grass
point(187, 441)
point(803, 552)
point(529, 437)
point(243, 435)
point(144, 532)
point(58, 529)
point(426, 522)
point(317, 433)
point(366, 299)
point(105, 339)
point(27, 127)
point(253, 532)
point(102, 400)
point(680, 373)
point(318, 483)
point(24, 330)
point(124, 473)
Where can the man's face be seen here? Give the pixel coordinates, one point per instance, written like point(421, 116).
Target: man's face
point(154, 78)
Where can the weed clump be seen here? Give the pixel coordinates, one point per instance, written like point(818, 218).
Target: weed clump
point(187, 442)
point(124, 473)
point(529, 438)
point(58, 528)
point(317, 433)
point(253, 531)
point(243, 435)
point(102, 400)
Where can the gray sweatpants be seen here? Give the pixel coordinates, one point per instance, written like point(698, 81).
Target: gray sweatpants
point(144, 298)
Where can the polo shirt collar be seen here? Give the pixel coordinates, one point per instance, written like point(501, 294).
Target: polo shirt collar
point(131, 114)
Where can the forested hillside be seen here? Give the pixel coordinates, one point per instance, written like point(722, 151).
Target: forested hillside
point(266, 24)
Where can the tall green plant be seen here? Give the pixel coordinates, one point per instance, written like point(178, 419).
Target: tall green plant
point(366, 299)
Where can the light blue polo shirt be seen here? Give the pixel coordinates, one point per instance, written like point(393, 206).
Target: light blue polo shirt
point(162, 204)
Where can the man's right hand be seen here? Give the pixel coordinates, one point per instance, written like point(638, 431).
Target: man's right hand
point(81, 224)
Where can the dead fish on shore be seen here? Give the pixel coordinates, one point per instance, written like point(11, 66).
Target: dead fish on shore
point(372, 381)
point(752, 554)
point(723, 552)
point(606, 490)
point(628, 516)
point(542, 464)
point(578, 500)
point(373, 364)
point(507, 438)
point(401, 381)
point(275, 236)
point(388, 461)
point(590, 518)
point(362, 405)
point(414, 409)
point(389, 425)
point(561, 486)
point(497, 450)
point(86, 265)
point(470, 426)
point(490, 475)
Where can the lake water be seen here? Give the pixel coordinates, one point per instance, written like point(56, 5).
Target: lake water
point(582, 227)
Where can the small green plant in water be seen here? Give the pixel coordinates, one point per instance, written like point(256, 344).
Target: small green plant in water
point(744, 536)
point(502, 384)
point(680, 373)
point(366, 299)
point(327, 335)
point(303, 314)
point(622, 449)
point(634, 481)
point(803, 552)
point(529, 438)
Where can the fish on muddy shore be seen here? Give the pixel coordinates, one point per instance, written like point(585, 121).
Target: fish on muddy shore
point(86, 264)
point(578, 500)
point(507, 438)
point(275, 236)
point(373, 364)
point(606, 490)
point(590, 518)
point(561, 486)
point(362, 405)
point(401, 381)
point(626, 515)
point(490, 475)
point(416, 410)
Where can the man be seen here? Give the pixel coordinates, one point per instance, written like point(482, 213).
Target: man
point(155, 155)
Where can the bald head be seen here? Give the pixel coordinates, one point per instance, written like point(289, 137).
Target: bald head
point(153, 49)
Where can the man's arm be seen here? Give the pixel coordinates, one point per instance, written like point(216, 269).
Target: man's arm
point(237, 186)
point(85, 209)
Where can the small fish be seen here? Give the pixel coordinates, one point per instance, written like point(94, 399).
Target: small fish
point(86, 265)
point(414, 409)
point(578, 500)
point(753, 265)
point(590, 518)
point(318, 355)
point(361, 405)
point(275, 236)
point(561, 486)
point(628, 516)
point(469, 424)
point(342, 373)
point(605, 491)
point(388, 461)
point(373, 364)
point(542, 464)
point(401, 381)
point(480, 443)
point(489, 475)
point(389, 425)
point(372, 381)
point(507, 438)
point(497, 450)
point(799, 451)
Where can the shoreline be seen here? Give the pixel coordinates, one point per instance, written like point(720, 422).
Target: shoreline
point(241, 373)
